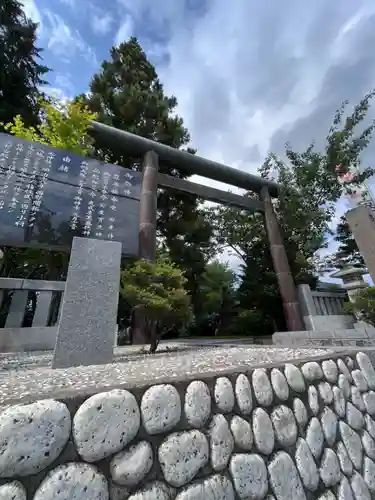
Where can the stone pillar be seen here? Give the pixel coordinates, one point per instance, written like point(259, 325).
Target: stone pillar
point(362, 224)
point(17, 309)
point(288, 290)
point(148, 207)
point(88, 319)
point(147, 231)
point(43, 307)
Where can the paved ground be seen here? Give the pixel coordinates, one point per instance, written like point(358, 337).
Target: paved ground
point(26, 376)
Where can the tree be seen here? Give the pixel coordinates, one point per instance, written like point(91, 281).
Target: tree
point(363, 305)
point(310, 190)
point(128, 95)
point(217, 297)
point(158, 291)
point(348, 251)
point(21, 75)
point(64, 127)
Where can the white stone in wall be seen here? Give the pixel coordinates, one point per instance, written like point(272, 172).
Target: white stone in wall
point(154, 491)
point(344, 491)
point(344, 369)
point(329, 425)
point(197, 405)
point(224, 394)
point(131, 466)
point(369, 474)
point(370, 426)
point(13, 491)
point(369, 402)
point(330, 468)
point(354, 417)
point(330, 370)
point(339, 403)
point(359, 487)
point(221, 442)
point(160, 408)
point(263, 432)
point(181, 455)
point(327, 495)
point(344, 385)
point(105, 423)
point(279, 384)
point(306, 465)
point(284, 425)
point(73, 481)
point(312, 371)
point(300, 412)
point(349, 362)
point(315, 437)
point(243, 394)
point(359, 380)
point(345, 462)
point(368, 371)
point(117, 492)
point(249, 474)
point(284, 478)
point(294, 377)
point(313, 399)
point(325, 392)
point(368, 445)
point(262, 387)
point(352, 444)
point(216, 487)
point(356, 398)
point(32, 436)
point(242, 433)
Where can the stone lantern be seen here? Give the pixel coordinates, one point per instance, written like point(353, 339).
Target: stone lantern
point(352, 278)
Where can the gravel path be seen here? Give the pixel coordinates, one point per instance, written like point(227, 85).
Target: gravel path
point(26, 376)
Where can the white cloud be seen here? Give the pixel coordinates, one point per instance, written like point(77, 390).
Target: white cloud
point(56, 93)
point(69, 3)
point(66, 43)
point(65, 83)
point(31, 10)
point(101, 22)
point(125, 30)
point(249, 76)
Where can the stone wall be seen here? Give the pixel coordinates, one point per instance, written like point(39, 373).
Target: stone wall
point(298, 432)
point(362, 336)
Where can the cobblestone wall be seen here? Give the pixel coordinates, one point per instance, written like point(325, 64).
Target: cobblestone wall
point(294, 432)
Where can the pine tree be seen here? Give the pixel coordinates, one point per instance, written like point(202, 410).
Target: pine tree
point(21, 75)
point(348, 251)
point(128, 95)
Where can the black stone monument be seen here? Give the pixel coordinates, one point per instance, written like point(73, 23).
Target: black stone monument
point(48, 196)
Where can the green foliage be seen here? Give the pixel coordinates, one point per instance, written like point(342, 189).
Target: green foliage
point(348, 251)
point(217, 284)
point(363, 305)
point(310, 190)
point(21, 75)
point(158, 291)
point(126, 93)
point(62, 126)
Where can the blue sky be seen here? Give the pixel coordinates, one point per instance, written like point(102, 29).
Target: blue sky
point(248, 75)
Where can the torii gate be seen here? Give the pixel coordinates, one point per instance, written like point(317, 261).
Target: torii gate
point(153, 151)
